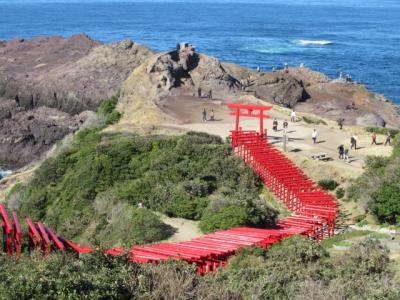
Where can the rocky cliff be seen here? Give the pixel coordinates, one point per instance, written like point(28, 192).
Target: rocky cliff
point(47, 81)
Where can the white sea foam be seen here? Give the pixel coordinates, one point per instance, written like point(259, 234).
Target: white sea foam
point(314, 42)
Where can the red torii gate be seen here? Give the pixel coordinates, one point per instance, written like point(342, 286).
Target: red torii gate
point(252, 111)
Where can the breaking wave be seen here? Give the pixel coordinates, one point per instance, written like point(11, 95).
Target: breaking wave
point(314, 42)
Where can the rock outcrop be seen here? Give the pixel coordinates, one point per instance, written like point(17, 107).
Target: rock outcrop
point(26, 134)
point(71, 75)
point(45, 81)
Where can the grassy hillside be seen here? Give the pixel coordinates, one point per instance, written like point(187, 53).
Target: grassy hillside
point(378, 189)
point(92, 191)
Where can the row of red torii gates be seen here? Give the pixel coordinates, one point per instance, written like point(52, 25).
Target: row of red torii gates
point(313, 210)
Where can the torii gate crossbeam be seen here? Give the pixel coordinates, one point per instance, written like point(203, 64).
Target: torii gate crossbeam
point(249, 110)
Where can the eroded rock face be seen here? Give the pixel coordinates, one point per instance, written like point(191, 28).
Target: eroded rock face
point(186, 67)
point(45, 82)
point(71, 75)
point(26, 134)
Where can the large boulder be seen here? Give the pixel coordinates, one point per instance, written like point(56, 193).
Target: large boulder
point(371, 119)
point(278, 87)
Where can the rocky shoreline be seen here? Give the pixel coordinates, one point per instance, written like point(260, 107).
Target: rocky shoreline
point(48, 83)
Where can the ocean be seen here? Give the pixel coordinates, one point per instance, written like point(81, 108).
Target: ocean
point(358, 37)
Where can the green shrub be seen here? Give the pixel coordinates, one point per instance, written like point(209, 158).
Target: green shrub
point(340, 192)
point(225, 218)
point(107, 109)
point(328, 184)
point(386, 206)
point(359, 218)
point(383, 130)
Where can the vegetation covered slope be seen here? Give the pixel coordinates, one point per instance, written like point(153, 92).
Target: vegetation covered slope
point(295, 269)
point(378, 189)
point(92, 190)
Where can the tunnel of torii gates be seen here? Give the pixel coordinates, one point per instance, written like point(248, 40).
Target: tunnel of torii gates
point(313, 211)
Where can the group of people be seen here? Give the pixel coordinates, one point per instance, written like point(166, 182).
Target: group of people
point(344, 153)
point(275, 124)
point(387, 141)
point(205, 115)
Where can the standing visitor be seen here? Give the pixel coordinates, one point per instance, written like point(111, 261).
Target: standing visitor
point(293, 116)
point(199, 92)
point(212, 115)
point(388, 138)
point(355, 142)
point(275, 125)
point(210, 94)
point(286, 67)
point(341, 152)
point(314, 135)
point(373, 137)
point(285, 124)
point(204, 115)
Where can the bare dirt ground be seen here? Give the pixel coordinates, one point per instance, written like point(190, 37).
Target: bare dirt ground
point(185, 229)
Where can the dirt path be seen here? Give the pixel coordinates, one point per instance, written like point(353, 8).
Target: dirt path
point(185, 229)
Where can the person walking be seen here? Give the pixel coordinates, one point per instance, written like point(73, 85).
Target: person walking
point(340, 123)
point(210, 94)
point(199, 92)
point(285, 124)
point(353, 142)
point(388, 138)
point(293, 116)
point(373, 137)
point(346, 155)
point(275, 125)
point(204, 115)
point(314, 135)
point(341, 152)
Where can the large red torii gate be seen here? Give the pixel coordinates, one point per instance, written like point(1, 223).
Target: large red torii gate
point(252, 111)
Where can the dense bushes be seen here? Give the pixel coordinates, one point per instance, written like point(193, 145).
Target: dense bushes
point(387, 203)
point(328, 184)
point(300, 269)
point(85, 186)
point(377, 190)
point(295, 269)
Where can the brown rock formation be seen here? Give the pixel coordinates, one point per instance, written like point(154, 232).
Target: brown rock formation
point(71, 75)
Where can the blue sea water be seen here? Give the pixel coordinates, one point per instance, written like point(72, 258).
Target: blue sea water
point(359, 37)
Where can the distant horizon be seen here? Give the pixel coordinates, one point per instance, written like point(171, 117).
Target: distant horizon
point(346, 3)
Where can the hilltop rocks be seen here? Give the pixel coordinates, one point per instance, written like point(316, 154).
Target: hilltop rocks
point(210, 75)
point(185, 67)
